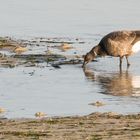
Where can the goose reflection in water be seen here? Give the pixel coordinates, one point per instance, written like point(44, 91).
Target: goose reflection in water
point(120, 83)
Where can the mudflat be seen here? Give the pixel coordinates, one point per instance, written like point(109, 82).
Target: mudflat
point(96, 126)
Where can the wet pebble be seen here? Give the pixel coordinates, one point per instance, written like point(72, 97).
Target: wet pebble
point(111, 114)
point(98, 104)
point(32, 73)
point(48, 52)
point(20, 50)
point(40, 114)
point(30, 64)
point(56, 66)
point(65, 47)
point(2, 110)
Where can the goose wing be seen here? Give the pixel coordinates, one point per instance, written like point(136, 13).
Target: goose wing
point(119, 43)
point(123, 36)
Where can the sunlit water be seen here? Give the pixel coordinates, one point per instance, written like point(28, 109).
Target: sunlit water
point(69, 90)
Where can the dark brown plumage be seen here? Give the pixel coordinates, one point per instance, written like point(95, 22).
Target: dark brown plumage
point(117, 44)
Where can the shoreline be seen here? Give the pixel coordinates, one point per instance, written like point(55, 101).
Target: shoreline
point(95, 126)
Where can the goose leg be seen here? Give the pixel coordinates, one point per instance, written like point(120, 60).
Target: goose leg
point(121, 57)
point(84, 64)
point(128, 64)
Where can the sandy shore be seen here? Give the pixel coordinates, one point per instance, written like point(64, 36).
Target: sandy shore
point(96, 126)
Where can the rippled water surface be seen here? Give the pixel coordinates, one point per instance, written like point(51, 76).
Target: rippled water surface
point(70, 89)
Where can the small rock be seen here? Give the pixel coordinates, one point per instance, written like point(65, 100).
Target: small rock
point(30, 64)
point(111, 114)
point(56, 66)
point(78, 56)
point(48, 52)
point(2, 110)
point(32, 73)
point(98, 104)
point(65, 47)
point(19, 50)
point(40, 114)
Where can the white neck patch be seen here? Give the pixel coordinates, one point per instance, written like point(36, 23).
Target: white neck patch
point(95, 53)
point(136, 47)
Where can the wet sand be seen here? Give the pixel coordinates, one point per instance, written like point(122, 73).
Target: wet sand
point(95, 126)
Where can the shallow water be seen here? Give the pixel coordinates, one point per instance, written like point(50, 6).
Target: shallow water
point(69, 90)
point(67, 18)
